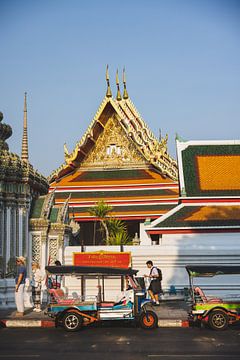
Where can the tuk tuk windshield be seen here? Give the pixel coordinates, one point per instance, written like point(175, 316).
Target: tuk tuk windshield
point(212, 270)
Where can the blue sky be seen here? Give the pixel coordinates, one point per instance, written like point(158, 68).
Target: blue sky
point(182, 60)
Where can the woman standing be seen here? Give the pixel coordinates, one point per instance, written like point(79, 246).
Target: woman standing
point(20, 283)
point(36, 283)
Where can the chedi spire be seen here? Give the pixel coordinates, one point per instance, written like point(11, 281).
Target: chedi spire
point(25, 135)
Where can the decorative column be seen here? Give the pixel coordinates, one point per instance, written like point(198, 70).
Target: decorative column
point(1, 231)
point(13, 232)
point(60, 247)
point(1, 237)
point(20, 231)
point(8, 235)
point(44, 251)
point(24, 233)
point(52, 249)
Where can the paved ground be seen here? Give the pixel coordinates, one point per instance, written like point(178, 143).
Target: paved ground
point(120, 341)
point(172, 310)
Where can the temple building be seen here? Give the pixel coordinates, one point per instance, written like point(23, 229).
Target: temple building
point(20, 184)
point(50, 230)
point(209, 202)
point(120, 161)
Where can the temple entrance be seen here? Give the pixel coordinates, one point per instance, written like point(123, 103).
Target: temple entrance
point(90, 232)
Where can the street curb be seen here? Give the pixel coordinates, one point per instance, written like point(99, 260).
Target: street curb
point(19, 323)
point(173, 323)
point(12, 323)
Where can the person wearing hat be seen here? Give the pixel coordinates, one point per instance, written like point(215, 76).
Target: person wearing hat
point(20, 283)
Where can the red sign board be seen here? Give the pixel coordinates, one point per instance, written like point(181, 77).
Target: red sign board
point(103, 258)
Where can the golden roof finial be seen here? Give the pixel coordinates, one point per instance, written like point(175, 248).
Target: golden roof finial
point(109, 92)
point(125, 93)
point(25, 135)
point(118, 97)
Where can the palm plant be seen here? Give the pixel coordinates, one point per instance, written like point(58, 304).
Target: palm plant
point(101, 210)
point(118, 234)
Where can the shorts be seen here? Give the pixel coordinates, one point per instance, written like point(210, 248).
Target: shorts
point(155, 287)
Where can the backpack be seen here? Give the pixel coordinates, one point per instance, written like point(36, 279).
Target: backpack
point(159, 274)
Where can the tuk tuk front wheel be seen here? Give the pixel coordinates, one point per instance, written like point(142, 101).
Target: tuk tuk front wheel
point(218, 320)
point(148, 320)
point(72, 321)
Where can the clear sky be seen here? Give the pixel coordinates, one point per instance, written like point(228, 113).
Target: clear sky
point(182, 60)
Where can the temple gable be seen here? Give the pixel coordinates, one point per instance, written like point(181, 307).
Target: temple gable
point(113, 149)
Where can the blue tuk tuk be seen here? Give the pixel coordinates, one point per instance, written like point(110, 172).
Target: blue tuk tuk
point(73, 313)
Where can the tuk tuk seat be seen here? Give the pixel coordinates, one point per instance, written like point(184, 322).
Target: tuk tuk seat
point(106, 304)
point(58, 296)
point(199, 294)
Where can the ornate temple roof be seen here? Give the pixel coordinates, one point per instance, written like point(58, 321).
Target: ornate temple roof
point(198, 218)
point(123, 112)
point(133, 193)
point(15, 170)
point(44, 209)
point(210, 168)
point(118, 160)
point(210, 189)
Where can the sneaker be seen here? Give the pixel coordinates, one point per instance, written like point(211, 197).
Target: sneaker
point(34, 309)
point(38, 310)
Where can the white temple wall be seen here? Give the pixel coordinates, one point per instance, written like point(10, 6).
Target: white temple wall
point(145, 239)
point(172, 255)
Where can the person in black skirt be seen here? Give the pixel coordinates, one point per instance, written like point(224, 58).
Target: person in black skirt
point(155, 287)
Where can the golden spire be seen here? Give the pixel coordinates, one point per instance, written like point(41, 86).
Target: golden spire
point(118, 97)
point(109, 92)
point(25, 135)
point(125, 93)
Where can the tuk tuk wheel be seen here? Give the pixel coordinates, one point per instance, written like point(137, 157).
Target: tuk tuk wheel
point(148, 320)
point(218, 320)
point(72, 321)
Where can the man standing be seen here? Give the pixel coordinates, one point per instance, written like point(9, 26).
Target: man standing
point(155, 287)
point(19, 287)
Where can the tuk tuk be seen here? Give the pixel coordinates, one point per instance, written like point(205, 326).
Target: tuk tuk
point(73, 313)
point(217, 312)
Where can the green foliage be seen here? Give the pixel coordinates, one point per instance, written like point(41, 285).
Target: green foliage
point(118, 234)
point(119, 238)
point(100, 210)
point(114, 229)
point(116, 225)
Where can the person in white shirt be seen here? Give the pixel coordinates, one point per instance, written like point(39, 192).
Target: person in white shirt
point(36, 282)
point(155, 287)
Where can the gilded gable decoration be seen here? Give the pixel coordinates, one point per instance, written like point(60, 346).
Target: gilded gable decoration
point(113, 149)
point(139, 141)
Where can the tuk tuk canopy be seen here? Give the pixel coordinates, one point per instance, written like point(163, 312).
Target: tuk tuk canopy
point(212, 270)
point(89, 270)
